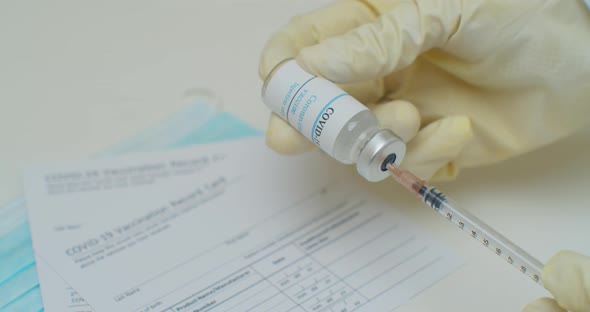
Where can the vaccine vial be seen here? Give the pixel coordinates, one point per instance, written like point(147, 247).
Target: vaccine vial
point(333, 120)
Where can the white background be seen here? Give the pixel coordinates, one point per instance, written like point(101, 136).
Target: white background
point(78, 76)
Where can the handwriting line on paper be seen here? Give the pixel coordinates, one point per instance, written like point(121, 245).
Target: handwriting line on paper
point(372, 217)
point(313, 243)
point(285, 236)
point(163, 214)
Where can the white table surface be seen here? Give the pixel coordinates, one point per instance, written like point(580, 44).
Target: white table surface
point(78, 76)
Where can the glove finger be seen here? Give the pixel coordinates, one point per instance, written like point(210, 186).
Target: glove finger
point(391, 43)
point(567, 276)
point(401, 117)
point(543, 305)
point(311, 28)
point(284, 139)
point(431, 153)
point(365, 91)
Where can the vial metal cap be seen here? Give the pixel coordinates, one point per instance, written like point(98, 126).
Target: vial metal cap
point(382, 149)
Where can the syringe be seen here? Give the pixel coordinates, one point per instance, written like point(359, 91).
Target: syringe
point(476, 228)
point(348, 131)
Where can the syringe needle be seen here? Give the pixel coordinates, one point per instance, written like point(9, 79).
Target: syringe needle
point(470, 224)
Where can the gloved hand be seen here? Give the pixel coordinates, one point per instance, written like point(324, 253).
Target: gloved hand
point(567, 277)
point(465, 82)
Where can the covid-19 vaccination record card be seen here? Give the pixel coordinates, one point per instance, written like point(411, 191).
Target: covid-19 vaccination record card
point(223, 227)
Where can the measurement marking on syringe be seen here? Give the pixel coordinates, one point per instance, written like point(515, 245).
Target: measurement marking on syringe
point(490, 238)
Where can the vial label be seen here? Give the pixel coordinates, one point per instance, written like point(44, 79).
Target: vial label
point(314, 106)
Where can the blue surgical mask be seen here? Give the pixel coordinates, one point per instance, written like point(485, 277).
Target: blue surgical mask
point(198, 124)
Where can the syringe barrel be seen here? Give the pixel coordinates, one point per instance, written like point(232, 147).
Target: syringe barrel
point(483, 233)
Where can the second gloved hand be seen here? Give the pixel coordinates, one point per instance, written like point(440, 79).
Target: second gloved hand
point(567, 277)
point(465, 82)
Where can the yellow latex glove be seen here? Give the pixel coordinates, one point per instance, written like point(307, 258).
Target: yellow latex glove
point(567, 277)
point(481, 80)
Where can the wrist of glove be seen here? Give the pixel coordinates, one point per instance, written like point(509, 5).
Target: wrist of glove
point(465, 83)
point(567, 277)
